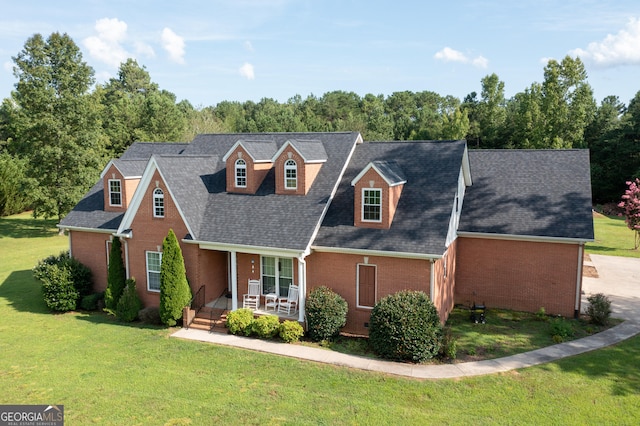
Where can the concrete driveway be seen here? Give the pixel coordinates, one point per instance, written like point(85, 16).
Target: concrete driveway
point(619, 279)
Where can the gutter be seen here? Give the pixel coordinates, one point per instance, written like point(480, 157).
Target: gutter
point(530, 238)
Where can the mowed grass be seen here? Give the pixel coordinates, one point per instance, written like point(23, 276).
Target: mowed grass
point(108, 373)
point(612, 237)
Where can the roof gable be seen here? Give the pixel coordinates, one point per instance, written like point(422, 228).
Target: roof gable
point(390, 171)
point(260, 151)
point(311, 151)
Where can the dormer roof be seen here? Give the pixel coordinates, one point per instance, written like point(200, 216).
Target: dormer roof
point(130, 169)
point(311, 151)
point(390, 171)
point(260, 151)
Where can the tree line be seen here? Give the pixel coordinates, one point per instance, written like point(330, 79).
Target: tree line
point(58, 128)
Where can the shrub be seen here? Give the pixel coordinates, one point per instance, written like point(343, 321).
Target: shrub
point(405, 326)
point(92, 302)
point(116, 277)
point(291, 331)
point(175, 292)
point(599, 309)
point(240, 321)
point(449, 347)
point(64, 280)
point(266, 326)
point(541, 314)
point(326, 313)
point(561, 330)
point(150, 315)
point(129, 303)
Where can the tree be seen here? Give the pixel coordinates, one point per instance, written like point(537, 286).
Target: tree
point(116, 277)
point(13, 197)
point(57, 127)
point(129, 303)
point(175, 293)
point(631, 206)
point(491, 112)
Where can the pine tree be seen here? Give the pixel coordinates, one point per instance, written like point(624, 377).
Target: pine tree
point(129, 303)
point(175, 293)
point(631, 206)
point(116, 277)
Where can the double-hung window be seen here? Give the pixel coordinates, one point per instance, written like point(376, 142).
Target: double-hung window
point(371, 205)
point(158, 203)
point(290, 174)
point(154, 259)
point(241, 173)
point(115, 192)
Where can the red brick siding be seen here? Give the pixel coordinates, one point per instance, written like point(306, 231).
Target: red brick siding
point(113, 173)
point(256, 172)
point(306, 173)
point(212, 273)
point(390, 197)
point(90, 248)
point(444, 286)
point(130, 186)
point(338, 272)
point(517, 275)
point(249, 268)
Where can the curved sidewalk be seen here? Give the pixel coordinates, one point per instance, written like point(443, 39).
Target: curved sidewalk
point(625, 303)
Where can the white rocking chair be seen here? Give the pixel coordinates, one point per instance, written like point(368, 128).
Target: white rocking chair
point(289, 304)
point(251, 300)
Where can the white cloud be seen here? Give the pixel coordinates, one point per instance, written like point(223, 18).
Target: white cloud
point(248, 46)
point(107, 45)
point(174, 45)
point(246, 70)
point(618, 49)
point(144, 49)
point(8, 66)
point(450, 55)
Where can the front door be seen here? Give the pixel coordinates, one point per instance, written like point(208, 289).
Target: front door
point(277, 275)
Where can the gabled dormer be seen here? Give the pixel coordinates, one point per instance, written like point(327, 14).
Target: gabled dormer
point(377, 190)
point(297, 163)
point(120, 179)
point(247, 164)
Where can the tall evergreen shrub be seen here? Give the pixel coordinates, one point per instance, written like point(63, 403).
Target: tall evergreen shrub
point(116, 277)
point(129, 303)
point(175, 293)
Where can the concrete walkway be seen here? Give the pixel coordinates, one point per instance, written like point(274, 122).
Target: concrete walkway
point(619, 279)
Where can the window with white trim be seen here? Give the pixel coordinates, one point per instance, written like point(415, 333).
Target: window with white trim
point(290, 174)
point(241, 173)
point(277, 275)
point(371, 205)
point(154, 260)
point(158, 203)
point(115, 192)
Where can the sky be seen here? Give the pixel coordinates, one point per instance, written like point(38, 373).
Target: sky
point(239, 50)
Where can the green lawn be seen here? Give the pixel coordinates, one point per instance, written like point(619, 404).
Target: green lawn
point(106, 373)
point(612, 237)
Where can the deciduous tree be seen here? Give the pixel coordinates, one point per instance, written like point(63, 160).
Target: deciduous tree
point(630, 205)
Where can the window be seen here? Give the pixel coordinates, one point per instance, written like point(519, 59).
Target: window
point(290, 175)
point(371, 205)
point(115, 192)
point(154, 259)
point(366, 290)
point(158, 203)
point(277, 275)
point(241, 173)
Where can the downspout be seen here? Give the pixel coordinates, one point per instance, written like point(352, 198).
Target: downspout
point(302, 283)
point(576, 312)
point(432, 280)
point(126, 257)
point(234, 281)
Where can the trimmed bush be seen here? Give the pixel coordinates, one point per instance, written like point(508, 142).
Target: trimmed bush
point(129, 303)
point(240, 321)
point(150, 315)
point(175, 292)
point(266, 326)
point(291, 331)
point(64, 281)
point(561, 330)
point(116, 277)
point(326, 313)
point(92, 302)
point(599, 309)
point(405, 326)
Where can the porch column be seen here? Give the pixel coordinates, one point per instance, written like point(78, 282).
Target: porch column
point(302, 285)
point(234, 281)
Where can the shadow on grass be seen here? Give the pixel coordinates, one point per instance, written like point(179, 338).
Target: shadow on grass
point(27, 227)
point(23, 292)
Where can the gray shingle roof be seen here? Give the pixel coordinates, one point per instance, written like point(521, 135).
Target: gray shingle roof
point(89, 212)
point(529, 192)
point(130, 168)
point(422, 217)
point(144, 150)
point(311, 150)
point(260, 151)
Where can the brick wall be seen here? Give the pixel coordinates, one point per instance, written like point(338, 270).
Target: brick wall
point(517, 275)
point(306, 173)
point(90, 248)
point(338, 272)
point(256, 172)
point(445, 281)
point(390, 198)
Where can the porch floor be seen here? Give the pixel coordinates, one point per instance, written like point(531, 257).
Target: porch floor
point(225, 304)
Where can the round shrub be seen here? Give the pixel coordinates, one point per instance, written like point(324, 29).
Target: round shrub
point(129, 303)
point(291, 331)
point(599, 309)
point(58, 289)
point(405, 326)
point(326, 313)
point(240, 321)
point(266, 326)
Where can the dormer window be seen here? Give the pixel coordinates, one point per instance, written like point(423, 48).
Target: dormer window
point(241, 173)
point(290, 175)
point(371, 205)
point(158, 203)
point(115, 192)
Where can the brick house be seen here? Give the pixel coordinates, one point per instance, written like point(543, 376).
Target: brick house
point(503, 227)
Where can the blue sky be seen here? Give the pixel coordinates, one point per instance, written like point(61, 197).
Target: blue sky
point(215, 50)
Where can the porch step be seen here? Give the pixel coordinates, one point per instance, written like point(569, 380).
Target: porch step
point(209, 318)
